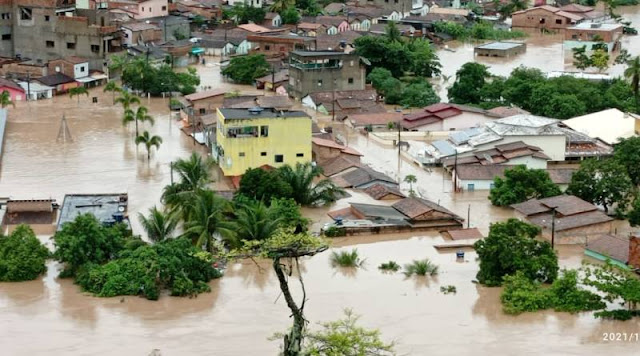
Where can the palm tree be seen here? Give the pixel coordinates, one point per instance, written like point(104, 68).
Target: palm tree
point(305, 192)
point(411, 179)
point(126, 99)
point(141, 114)
point(77, 91)
point(5, 99)
point(207, 219)
point(633, 73)
point(118, 62)
point(281, 5)
point(255, 221)
point(149, 141)
point(159, 225)
point(114, 88)
point(193, 175)
point(392, 32)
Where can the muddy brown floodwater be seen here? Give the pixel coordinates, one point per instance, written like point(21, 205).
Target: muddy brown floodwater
point(52, 316)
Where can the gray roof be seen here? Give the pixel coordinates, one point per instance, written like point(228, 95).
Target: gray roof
point(445, 148)
point(524, 125)
point(102, 206)
point(459, 137)
point(247, 114)
point(500, 45)
point(371, 211)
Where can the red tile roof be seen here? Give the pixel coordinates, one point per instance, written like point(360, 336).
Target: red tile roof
point(382, 118)
point(332, 144)
point(465, 234)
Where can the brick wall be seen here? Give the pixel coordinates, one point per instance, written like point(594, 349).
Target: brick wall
point(634, 252)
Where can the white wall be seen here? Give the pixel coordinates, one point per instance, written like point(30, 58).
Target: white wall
point(552, 145)
point(529, 161)
point(152, 8)
point(463, 121)
point(80, 70)
point(478, 184)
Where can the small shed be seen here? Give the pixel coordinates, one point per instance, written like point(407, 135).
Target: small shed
point(500, 49)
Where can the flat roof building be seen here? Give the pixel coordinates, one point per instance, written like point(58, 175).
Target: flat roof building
point(500, 49)
point(107, 208)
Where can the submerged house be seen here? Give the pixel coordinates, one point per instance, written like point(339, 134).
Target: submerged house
point(575, 222)
point(30, 212)
point(408, 214)
point(621, 251)
point(109, 209)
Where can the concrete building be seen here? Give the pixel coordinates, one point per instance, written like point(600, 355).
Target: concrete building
point(478, 177)
point(109, 209)
point(325, 150)
point(48, 29)
point(280, 45)
point(576, 221)
point(500, 49)
point(16, 92)
point(544, 18)
point(618, 125)
point(318, 71)
point(204, 103)
point(73, 67)
point(404, 7)
point(362, 177)
point(36, 91)
point(593, 35)
point(134, 33)
point(260, 137)
point(446, 117)
point(30, 212)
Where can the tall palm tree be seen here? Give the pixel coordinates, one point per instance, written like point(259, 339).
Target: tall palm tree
point(77, 91)
point(281, 5)
point(207, 219)
point(193, 175)
point(149, 141)
point(140, 115)
point(255, 221)
point(126, 99)
point(633, 73)
point(5, 99)
point(159, 225)
point(117, 62)
point(114, 88)
point(305, 191)
point(411, 179)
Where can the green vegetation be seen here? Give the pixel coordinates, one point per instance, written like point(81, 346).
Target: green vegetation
point(172, 264)
point(618, 286)
point(521, 184)
point(114, 88)
point(511, 247)
point(346, 259)
point(242, 13)
point(141, 75)
point(85, 240)
point(416, 92)
point(335, 231)
point(344, 337)
point(290, 16)
point(22, 256)
point(77, 92)
point(478, 31)
point(562, 97)
point(140, 115)
point(448, 289)
point(601, 182)
point(297, 183)
point(411, 179)
point(399, 55)
point(245, 69)
point(521, 294)
point(149, 142)
point(421, 268)
point(158, 225)
point(5, 99)
point(390, 266)
point(627, 153)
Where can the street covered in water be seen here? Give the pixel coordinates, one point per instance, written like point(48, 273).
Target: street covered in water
point(52, 316)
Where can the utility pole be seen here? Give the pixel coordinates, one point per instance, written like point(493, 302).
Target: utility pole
point(553, 226)
point(455, 173)
point(171, 166)
point(398, 144)
point(28, 86)
point(468, 216)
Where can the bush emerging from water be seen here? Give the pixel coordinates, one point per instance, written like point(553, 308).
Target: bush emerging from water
point(173, 264)
point(521, 294)
point(346, 259)
point(22, 256)
point(390, 266)
point(421, 268)
point(448, 289)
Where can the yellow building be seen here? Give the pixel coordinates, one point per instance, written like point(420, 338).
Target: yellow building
point(261, 137)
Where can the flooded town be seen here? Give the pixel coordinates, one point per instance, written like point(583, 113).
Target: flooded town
point(408, 177)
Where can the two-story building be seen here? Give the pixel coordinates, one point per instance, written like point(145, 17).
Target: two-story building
point(258, 137)
point(593, 35)
point(544, 18)
point(316, 71)
point(280, 45)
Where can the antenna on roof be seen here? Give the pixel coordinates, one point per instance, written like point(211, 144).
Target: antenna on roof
point(64, 134)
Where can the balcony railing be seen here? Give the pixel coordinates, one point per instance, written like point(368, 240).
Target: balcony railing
point(315, 66)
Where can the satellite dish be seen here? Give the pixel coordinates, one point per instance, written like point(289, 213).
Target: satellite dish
point(121, 209)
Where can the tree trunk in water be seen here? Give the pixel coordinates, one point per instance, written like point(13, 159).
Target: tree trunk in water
point(136, 127)
point(292, 341)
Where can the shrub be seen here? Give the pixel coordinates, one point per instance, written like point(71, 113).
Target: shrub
point(346, 259)
point(335, 231)
point(618, 314)
point(521, 294)
point(421, 268)
point(448, 289)
point(567, 297)
point(22, 256)
point(390, 266)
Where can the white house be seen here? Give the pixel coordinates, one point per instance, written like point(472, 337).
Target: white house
point(36, 91)
point(446, 117)
point(479, 177)
point(152, 8)
point(608, 125)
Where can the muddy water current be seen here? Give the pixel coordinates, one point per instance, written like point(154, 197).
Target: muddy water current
point(50, 316)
